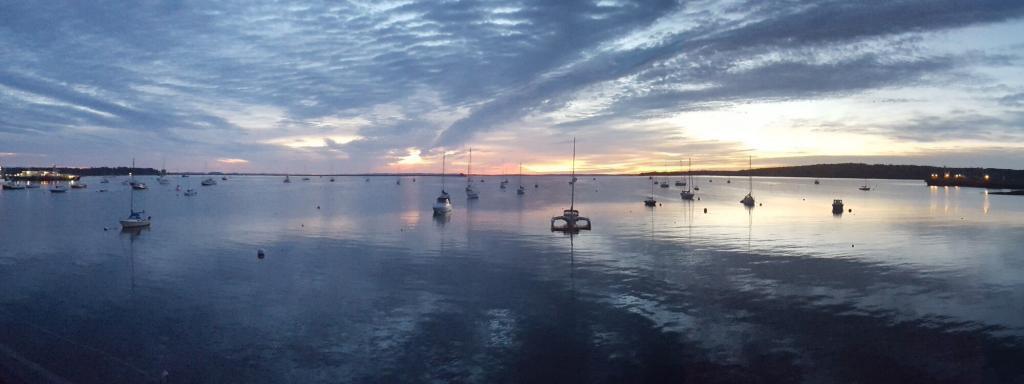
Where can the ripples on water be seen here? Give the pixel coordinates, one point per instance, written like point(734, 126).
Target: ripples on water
point(916, 284)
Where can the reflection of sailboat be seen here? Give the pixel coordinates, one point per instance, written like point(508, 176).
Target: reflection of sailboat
point(134, 219)
point(443, 204)
point(687, 194)
point(571, 221)
point(470, 192)
point(748, 200)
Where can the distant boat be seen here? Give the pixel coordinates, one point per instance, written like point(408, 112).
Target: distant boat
point(816, 182)
point(837, 206)
point(79, 185)
point(650, 201)
point(687, 194)
point(287, 179)
point(105, 181)
point(32, 186)
point(865, 187)
point(521, 190)
point(58, 188)
point(443, 204)
point(664, 183)
point(332, 179)
point(305, 179)
point(134, 219)
point(137, 185)
point(208, 182)
point(471, 193)
point(570, 220)
point(191, 192)
point(162, 180)
point(680, 182)
point(223, 177)
point(748, 200)
point(13, 185)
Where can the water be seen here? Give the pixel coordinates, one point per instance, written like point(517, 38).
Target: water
point(916, 284)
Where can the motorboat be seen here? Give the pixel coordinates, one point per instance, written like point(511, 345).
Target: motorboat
point(208, 182)
point(837, 206)
point(13, 185)
point(79, 186)
point(59, 188)
point(190, 192)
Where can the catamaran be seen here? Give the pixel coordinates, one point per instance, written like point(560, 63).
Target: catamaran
point(570, 220)
point(443, 204)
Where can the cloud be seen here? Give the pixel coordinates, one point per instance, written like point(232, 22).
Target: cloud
point(365, 81)
point(233, 161)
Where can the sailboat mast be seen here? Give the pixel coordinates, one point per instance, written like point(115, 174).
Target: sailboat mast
point(131, 189)
point(572, 198)
point(520, 173)
point(750, 173)
point(444, 159)
point(469, 169)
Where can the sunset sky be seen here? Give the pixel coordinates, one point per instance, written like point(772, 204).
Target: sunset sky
point(379, 86)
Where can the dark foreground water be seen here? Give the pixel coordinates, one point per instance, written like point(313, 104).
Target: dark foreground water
point(915, 285)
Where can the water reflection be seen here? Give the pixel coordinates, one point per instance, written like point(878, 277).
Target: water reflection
point(364, 290)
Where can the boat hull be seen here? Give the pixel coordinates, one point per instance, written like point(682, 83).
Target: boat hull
point(129, 223)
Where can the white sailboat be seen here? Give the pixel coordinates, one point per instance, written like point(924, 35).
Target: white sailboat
point(865, 187)
point(58, 188)
point(134, 219)
point(687, 194)
point(443, 204)
point(650, 201)
point(471, 194)
point(570, 220)
point(748, 200)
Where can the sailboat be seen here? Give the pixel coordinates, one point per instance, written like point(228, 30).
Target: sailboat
point(687, 194)
point(471, 194)
point(398, 178)
point(162, 179)
point(287, 179)
point(58, 188)
point(571, 221)
point(522, 189)
point(680, 182)
point(865, 187)
point(208, 182)
point(664, 183)
point(650, 201)
point(504, 181)
point(134, 219)
point(443, 204)
point(748, 200)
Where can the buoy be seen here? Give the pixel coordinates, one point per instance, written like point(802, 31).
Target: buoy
point(851, 210)
point(851, 245)
point(259, 253)
point(705, 210)
point(105, 228)
point(318, 207)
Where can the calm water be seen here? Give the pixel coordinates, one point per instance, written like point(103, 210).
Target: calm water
point(915, 285)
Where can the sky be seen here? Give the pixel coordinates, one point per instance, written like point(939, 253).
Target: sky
point(390, 86)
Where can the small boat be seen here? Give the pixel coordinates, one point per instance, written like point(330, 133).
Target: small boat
point(13, 185)
point(664, 184)
point(223, 177)
point(443, 204)
point(287, 179)
point(208, 182)
point(184, 175)
point(816, 182)
point(105, 181)
point(305, 179)
point(59, 188)
point(32, 186)
point(748, 200)
point(191, 192)
point(134, 219)
point(332, 179)
point(137, 185)
point(162, 180)
point(570, 220)
point(865, 187)
point(79, 186)
point(837, 206)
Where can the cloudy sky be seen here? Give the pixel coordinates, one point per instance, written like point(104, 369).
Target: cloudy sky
point(389, 85)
